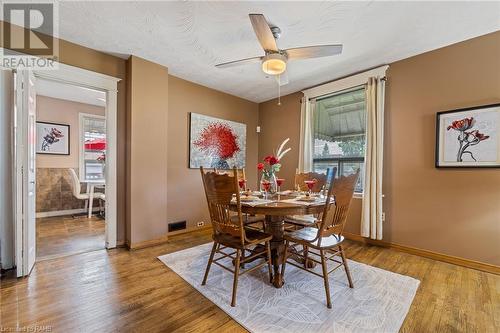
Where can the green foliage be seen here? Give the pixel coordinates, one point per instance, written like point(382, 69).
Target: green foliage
point(353, 147)
point(326, 151)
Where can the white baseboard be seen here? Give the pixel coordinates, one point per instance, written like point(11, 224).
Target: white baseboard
point(65, 212)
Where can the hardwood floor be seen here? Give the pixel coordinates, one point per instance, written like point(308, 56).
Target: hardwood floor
point(132, 291)
point(65, 235)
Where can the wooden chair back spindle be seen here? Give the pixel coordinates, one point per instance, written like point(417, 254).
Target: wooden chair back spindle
point(219, 191)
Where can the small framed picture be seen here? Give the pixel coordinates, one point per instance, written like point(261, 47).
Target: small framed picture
point(468, 138)
point(52, 138)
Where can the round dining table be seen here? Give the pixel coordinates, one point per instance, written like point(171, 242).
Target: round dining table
point(275, 213)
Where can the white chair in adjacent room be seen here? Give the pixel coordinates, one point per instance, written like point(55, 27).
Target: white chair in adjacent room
point(77, 187)
point(77, 192)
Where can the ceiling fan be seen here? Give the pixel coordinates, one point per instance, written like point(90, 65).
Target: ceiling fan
point(275, 60)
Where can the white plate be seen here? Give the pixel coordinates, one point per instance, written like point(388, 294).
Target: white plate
point(249, 198)
point(304, 198)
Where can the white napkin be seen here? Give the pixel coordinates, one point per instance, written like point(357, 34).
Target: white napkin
point(305, 203)
point(253, 203)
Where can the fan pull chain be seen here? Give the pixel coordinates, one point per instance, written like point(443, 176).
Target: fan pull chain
point(279, 89)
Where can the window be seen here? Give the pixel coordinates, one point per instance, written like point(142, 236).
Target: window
point(92, 146)
point(339, 133)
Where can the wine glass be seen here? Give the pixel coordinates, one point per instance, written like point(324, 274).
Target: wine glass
point(266, 184)
point(279, 182)
point(241, 183)
point(310, 184)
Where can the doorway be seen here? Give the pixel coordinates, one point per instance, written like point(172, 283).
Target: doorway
point(70, 163)
point(25, 168)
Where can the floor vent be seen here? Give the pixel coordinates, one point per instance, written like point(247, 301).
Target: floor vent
point(175, 226)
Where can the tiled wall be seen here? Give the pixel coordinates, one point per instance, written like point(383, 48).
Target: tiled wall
point(54, 191)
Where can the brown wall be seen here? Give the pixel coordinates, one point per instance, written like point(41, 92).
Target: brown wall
point(455, 212)
point(93, 60)
point(56, 110)
point(147, 155)
point(186, 199)
point(276, 124)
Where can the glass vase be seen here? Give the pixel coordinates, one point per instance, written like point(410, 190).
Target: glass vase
point(270, 178)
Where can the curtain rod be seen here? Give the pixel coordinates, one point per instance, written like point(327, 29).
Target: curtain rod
point(384, 78)
point(347, 81)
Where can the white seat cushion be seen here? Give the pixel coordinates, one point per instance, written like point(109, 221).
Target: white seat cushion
point(305, 220)
point(99, 195)
point(82, 196)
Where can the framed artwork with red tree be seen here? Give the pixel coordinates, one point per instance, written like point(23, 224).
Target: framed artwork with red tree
point(468, 137)
point(216, 143)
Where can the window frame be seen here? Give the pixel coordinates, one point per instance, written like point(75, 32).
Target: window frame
point(337, 161)
point(341, 84)
point(81, 142)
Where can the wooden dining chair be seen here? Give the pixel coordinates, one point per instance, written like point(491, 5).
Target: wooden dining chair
point(252, 221)
point(325, 241)
point(301, 221)
point(229, 234)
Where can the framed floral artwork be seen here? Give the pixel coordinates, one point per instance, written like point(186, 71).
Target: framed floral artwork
point(468, 138)
point(216, 143)
point(52, 138)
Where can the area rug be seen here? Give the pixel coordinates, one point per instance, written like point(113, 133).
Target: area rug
point(378, 302)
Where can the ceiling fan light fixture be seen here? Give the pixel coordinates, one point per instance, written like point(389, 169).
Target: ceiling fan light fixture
point(274, 64)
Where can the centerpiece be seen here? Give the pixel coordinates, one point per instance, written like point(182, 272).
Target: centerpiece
point(269, 167)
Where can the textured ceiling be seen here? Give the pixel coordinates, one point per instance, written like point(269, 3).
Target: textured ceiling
point(191, 37)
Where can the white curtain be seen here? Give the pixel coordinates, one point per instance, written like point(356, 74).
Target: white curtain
point(371, 216)
point(306, 134)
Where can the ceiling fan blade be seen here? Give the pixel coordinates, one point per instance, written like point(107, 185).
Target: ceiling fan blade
point(282, 79)
point(263, 32)
point(239, 62)
point(314, 51)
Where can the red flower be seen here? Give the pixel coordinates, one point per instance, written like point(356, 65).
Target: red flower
point(272, 160)
point(477, 135)
point(461, 125)
point(218, 139)
point(260, 166)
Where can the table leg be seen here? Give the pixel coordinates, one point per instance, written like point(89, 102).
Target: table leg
point(275, 226)
point(91, 198)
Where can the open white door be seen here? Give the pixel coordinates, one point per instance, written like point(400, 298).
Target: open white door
point(25, 168)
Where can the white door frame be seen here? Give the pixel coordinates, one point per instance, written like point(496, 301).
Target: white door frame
point(108, 84)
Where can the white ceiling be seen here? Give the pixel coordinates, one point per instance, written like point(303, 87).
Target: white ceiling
point(191, 37)
point(70, 92)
